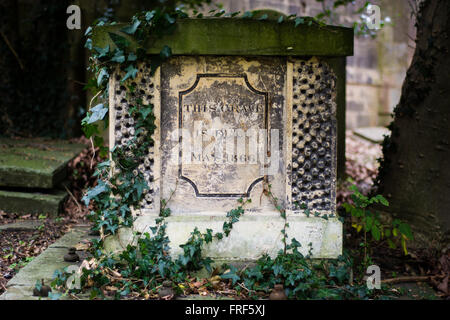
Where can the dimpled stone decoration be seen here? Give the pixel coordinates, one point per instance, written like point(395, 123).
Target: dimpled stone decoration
point(313, 175)
point(143, 87)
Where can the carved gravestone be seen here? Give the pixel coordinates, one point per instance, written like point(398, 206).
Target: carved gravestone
point(244, 106)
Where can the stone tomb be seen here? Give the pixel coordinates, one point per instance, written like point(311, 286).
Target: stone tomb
point(234, 118)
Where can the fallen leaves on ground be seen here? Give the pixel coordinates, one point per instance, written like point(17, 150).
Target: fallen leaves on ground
point(361, 165)
point(80, 173)
point(17, 248)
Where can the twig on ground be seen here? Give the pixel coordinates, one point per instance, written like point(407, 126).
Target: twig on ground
point(408, 279)
point(73, 197)
point(12, 50)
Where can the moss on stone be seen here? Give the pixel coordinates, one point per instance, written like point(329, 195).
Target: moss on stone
point(243, 37)
point(32, 203)
point(35, 163)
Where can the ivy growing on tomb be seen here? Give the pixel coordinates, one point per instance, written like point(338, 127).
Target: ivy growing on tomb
point(140, 268)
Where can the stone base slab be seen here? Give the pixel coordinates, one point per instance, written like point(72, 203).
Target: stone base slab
point(254, 234)
point(20, 287)
point(32, 202)
point(35, 163)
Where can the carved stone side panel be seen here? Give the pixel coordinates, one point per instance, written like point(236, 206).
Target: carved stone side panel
point(123, 96)
point(312, 170)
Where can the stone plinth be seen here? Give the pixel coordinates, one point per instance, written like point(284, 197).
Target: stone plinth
point(35, 163)
point(241, 107)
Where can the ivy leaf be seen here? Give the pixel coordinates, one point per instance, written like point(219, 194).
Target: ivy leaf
point(140, 187)
point(112, 228)
point(88, 44)
point(218, 14)
point(54, 295)
point(280, 19)
point(161, 267)
point(169, 18)
point(149, 15)
point(119, 40)
point(145, 112)
point(192, 250)
point(102, 74)
point(88, 31)
point(102, 51)
point(97, 113)
point(247, 14)
point(231, 274)
point(131, 72)
point(208, 235)
point(184, 259)
point(255, 273)
point(299, 21)
point(91, 193)
point(277, 269)
point(166, 52)
point(90, 129)
point(295, 243)
point(104, 165)
point(131, 29)
point(264, 17)
point(132, 57)
point(119, 57)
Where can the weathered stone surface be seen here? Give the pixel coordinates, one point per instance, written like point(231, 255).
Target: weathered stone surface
point(32, 202)
point(208, 98)
point(43, 267)
point(72, 238)
point(35, 163)
point(241, 37)
point(239, 117)
point(252, 236)
point(21, 225)
point(312, 179)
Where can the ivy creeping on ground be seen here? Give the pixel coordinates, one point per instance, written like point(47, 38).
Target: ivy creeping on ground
point(140, 269)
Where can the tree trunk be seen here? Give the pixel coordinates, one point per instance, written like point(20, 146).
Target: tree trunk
point(414, 174)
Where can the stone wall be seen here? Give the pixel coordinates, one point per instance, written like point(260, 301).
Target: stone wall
point(376, 71)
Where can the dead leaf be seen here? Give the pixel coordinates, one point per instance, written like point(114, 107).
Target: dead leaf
point(111, 288)
point(443, 286)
